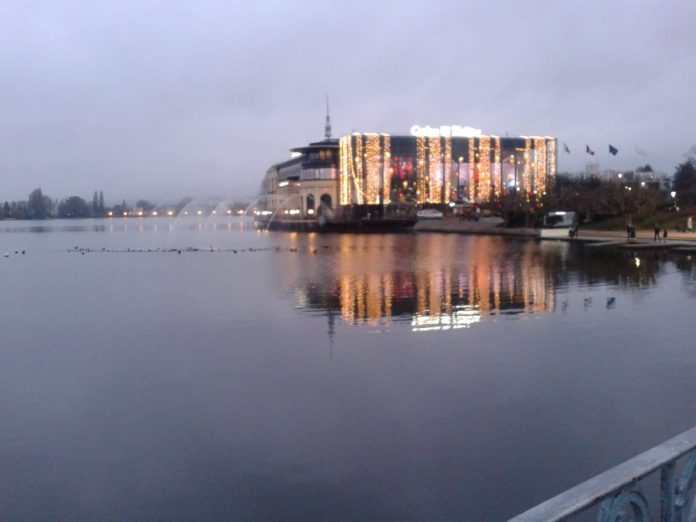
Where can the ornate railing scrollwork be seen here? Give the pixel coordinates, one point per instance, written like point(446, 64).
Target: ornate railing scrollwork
point(684, 505)
point(618, 493)
point(629, 505)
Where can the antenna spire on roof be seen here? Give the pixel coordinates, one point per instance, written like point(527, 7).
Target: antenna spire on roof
point(327, 127)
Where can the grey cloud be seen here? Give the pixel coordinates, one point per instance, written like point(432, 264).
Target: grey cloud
point(161, 99)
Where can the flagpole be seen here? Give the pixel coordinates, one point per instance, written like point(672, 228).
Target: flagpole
point(587, 164)
point(635, 156)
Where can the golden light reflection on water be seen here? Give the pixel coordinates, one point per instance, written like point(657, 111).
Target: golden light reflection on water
point(436, 282)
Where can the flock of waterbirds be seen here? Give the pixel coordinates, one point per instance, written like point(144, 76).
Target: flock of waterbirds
point(83, 250)
point(129, 250)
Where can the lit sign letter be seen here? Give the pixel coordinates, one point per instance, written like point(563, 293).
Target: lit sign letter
point(445, 131)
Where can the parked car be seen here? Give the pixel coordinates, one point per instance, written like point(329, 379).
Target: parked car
point(429, 213)
point(559, 219)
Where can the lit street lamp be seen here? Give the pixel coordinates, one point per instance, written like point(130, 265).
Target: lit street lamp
point(674, 197)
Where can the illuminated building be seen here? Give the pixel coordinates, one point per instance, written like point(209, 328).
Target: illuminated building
point(381, 174)
point(432, 170)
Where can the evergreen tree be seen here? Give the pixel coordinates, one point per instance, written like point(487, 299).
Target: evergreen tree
point(684, 183)
point(102, 208)
point(95, 203)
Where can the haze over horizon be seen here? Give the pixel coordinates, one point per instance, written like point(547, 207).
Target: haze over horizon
point(163, 99)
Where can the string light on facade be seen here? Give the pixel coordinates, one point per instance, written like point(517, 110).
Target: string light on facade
point(386, 169)
point(540, 165)
point(345, 169)
point(473, 173)
point(484, 168)
point(497, 169)
point(421, 188)
point(448, 171)
point(359, 171)
point(435, 170)
point(373, 169)
point(527, 167)
point(550, 162)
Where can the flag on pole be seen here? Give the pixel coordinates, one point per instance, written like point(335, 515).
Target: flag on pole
point(566, 149)
point(613, 150)
point(588, 150)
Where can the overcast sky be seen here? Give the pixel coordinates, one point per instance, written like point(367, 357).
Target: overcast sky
point(161, 99)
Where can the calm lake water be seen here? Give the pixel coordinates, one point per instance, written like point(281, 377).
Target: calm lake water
point(326, 377)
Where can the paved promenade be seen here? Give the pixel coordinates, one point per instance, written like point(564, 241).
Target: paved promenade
point(644, 238)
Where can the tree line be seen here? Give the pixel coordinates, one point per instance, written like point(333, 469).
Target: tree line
point(632, 195)
point(40, 206)
point(684, 181)
point(592, 198)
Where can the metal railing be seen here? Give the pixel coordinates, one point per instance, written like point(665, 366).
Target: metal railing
point(619, 494)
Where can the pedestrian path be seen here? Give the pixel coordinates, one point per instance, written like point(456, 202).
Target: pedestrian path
point(683, 242)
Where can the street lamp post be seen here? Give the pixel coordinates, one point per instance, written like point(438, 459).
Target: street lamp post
point(674, 198)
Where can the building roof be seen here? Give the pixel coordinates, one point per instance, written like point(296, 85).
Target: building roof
point(286, 163)
point(329, 143)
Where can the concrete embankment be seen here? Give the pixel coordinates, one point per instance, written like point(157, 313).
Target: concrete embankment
point(486, 226)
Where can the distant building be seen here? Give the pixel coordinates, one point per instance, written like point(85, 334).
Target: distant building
point(640, 175)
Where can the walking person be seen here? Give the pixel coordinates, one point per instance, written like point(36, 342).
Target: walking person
point(657, 232)
point(664, 235)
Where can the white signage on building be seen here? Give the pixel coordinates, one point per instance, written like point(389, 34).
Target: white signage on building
point(446, 131)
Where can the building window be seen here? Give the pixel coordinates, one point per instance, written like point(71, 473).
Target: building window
point(310, 202)
point(325, 200)
point(320, 173)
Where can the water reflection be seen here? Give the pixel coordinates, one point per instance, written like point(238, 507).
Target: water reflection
point(441, 282)
point(117, 224)
point(687, 267)
point(187, 374)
